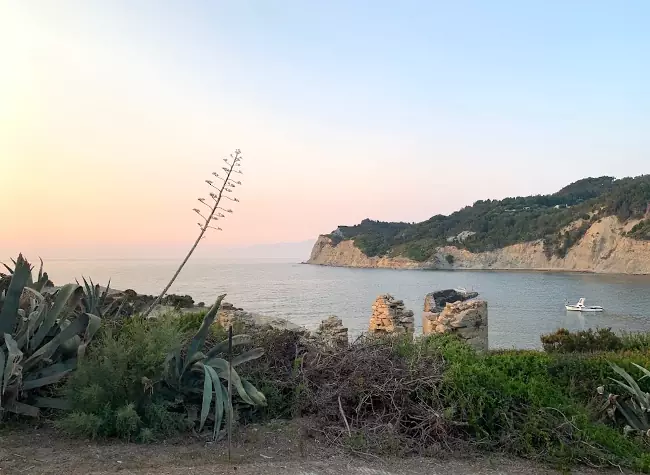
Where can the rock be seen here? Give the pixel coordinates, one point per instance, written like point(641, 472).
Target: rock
point(436, 301)
point(390, 316)
point(332, 332)
point(467, 319)
point(178, 301)
point(229, 315)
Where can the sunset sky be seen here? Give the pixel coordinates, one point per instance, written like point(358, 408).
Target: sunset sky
point(113, 113)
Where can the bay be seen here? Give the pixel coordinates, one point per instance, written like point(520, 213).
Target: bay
point(522, 305)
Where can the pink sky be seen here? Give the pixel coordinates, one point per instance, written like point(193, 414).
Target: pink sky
point(111, 119)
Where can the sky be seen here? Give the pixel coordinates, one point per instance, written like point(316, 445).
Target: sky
point(113, 113)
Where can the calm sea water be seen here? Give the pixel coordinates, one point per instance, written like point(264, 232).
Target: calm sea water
point(522, 305)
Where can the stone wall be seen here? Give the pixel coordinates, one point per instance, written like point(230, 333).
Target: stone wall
point(390, 316)
point(466, 318)
point(332, 332)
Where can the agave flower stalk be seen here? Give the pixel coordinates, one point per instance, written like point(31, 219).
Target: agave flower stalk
point(212, 214)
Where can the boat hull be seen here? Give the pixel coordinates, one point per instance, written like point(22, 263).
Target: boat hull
point(571, 308)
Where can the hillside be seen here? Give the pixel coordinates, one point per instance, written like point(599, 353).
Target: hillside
point(551, 224)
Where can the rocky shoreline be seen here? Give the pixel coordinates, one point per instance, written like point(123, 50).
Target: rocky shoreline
point(603, 249)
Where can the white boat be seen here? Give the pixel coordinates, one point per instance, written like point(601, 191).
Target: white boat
point(581, 307)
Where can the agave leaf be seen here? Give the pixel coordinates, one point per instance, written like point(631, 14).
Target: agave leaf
point(207, 396)
point(218, 400)
point(631, 417)
point(51, 403)
point(21, 332)
point(42, 278)
point(646, 373)
point(11, 271)
point(40, 269)
point(199, 339)
point(71, 346)
point(12, 365)
point(227, 404)
point(94, 324)
point(257, 397)
point(20, 408)
point(247, 356)
point(633, 387)
point(64, 294)
point(198, 356)
point(46, 351)
point(66, 365)
point(3, 359)
point(221, 347)
point(224, 371)
point(9, 312)
point(51, 379)
point(106, 290)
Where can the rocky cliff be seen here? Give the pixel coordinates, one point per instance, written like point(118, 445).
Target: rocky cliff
point(603, 249)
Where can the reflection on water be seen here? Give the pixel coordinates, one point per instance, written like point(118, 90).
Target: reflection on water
point(522, 305)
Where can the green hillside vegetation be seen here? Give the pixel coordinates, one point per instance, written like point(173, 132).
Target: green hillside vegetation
point(499, 223)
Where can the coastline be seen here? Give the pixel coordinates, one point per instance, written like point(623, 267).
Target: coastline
point(604, 248)
point(547, 270)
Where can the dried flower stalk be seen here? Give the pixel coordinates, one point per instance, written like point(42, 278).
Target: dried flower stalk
point(226, 187)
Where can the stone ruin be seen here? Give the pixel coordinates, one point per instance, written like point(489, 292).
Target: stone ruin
point(453, 311)
point(228, 315)
point(332, 332)
point(390, 316)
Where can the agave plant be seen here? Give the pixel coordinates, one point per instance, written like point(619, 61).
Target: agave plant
point(41, 339)
point(200, 376)
point(97, 302)
point(634, 406)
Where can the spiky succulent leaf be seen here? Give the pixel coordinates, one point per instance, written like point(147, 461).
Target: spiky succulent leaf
point(51, 403)
point(632, 387)
point(225, 372)
point(94, 324)
point(9, 313)
point(222, 347)
point(646, 373)
point(247, 356)
point(22, 409)
point(45, 381)
point(12, 364)
point(199, 339)
point(258, 398)
point(78, 325)
point(63, 295)
point(207, 396)
point(3, 360)
point(219, 401)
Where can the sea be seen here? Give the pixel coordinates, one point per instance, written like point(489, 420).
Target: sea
point(522, 305)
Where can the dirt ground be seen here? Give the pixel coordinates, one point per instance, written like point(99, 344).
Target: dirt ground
point(272, 449)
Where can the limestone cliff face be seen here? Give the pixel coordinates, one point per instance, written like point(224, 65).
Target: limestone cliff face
point(603, 249)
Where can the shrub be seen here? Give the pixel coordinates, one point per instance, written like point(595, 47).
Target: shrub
point(450, 258)
point(112, 392)
point(511, 401)
point(393, 395)
point(564, 341)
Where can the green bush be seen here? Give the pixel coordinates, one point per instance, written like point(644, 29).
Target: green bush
point(112, 392)
point(524, 402)
point(449, 258)
point(564, 341)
